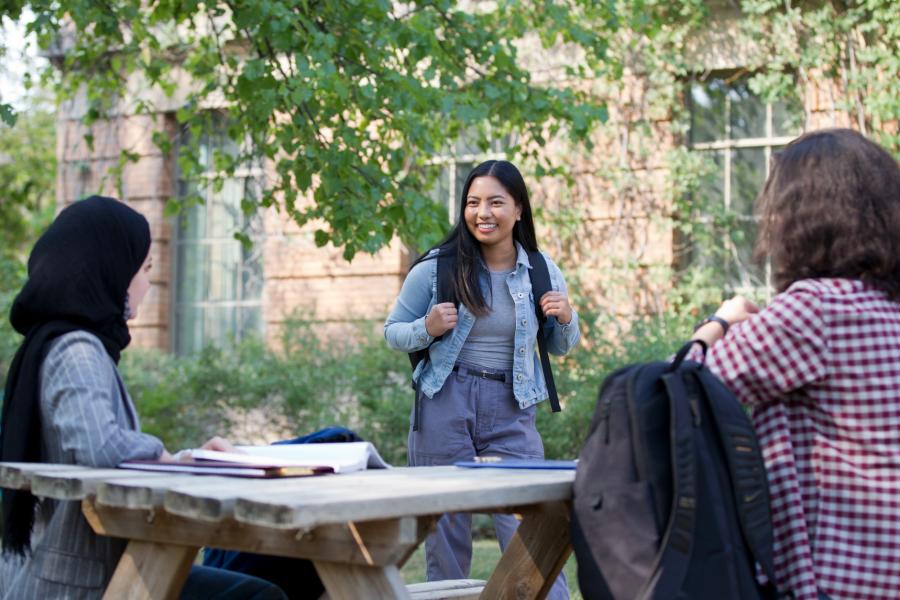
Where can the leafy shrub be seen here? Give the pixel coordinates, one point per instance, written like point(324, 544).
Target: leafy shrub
point(12, 275)
point(269, 394)
point(581, 372)
point(258, 394)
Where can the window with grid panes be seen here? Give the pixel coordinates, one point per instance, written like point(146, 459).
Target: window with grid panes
point(218, 281)
point(740, 132)
point(465, 155)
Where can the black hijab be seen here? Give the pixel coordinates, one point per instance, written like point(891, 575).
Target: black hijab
point(78, 277)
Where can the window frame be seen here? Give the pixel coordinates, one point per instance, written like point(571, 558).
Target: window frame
point(450, 161)
point(727, 146)
point(243, 174)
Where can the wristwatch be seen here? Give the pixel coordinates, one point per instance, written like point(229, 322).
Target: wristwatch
point(714, 319)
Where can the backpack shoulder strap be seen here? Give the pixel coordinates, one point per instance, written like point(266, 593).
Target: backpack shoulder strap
point(446, 265)
point(747, 472)
point(540, 277)
point(677, 543)
point(446, 269)
point(540, 285)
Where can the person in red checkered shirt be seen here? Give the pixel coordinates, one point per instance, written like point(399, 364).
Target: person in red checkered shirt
point(820, 365)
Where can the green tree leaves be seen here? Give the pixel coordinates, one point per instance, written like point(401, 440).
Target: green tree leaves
point(855, 44)
point(7, 115)
point(351, 101)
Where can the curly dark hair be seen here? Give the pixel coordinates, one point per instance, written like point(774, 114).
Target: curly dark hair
point(831, 208)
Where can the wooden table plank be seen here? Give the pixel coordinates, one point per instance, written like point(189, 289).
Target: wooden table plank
point(535, 555)
point(150, 571)
point(213, 499)
point(458, 589)
point(412, 493)
point(370, 543)
point(356, 582)
point(146, 493)
point(17, 476)
point(62, 481)
point(65, 484)
point(207, 497)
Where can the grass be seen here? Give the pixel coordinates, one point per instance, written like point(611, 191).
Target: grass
point(485, 554)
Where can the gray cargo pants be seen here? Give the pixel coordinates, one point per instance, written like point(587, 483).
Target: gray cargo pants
point(472, 416)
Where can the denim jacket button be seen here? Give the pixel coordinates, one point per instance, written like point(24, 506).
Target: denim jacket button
point(519, 377)
point(524, 322)
point(521, 295)
point(522, 351)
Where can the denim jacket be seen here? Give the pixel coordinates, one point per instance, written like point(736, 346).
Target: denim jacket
point(405, 329)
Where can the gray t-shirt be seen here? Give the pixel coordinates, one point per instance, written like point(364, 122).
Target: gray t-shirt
point(492, 338)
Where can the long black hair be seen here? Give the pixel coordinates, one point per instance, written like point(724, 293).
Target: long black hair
point(461, 243)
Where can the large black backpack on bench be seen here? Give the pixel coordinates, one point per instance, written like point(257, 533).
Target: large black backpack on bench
point(671, 499)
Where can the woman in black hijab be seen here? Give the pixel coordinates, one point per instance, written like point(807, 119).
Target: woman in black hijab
point(66, 403)
point(78, 277)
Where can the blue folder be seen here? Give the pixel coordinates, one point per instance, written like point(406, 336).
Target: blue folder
point(519, 463)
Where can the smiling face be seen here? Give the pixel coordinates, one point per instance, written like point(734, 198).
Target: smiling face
point(491, 212)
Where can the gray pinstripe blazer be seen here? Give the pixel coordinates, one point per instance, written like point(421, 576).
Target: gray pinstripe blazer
point(87, 418)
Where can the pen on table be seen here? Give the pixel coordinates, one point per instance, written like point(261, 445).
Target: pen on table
point(487, 459)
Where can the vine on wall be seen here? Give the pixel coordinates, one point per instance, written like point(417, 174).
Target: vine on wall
point(636, 205)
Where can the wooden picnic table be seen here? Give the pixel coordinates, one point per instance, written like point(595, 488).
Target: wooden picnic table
point(357, 528)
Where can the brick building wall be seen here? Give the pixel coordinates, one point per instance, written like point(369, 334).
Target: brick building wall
point(310, 283)
point(146, 184)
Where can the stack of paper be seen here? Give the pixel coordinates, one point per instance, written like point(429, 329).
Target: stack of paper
point(287, 460)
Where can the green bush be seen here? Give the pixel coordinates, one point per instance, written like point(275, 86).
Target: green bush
point(12, 275)
point(257, 394)
point(310, 383)
point(606, 346)
point(356, 381)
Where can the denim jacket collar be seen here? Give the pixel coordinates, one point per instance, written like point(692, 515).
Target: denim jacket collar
point(522, 255)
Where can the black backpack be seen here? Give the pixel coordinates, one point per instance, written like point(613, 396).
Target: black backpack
point(671, 498)
point(540, 284)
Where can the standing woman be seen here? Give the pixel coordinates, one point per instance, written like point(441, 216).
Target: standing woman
point(65, 402)
point(481, 383)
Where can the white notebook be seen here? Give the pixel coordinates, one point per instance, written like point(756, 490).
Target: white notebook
point(343, 458)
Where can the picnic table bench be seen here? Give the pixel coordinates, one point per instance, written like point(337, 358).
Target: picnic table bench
point(357, 528)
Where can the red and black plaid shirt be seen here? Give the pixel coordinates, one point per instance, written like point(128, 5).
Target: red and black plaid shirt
point(821, 368)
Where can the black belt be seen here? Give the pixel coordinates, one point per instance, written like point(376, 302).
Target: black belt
point(480, 373)
point(417, 407)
